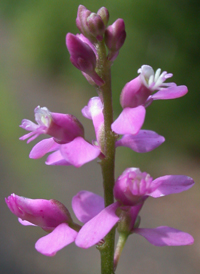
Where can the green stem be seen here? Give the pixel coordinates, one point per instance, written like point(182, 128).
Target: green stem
point(107, 164)
point(120, 245)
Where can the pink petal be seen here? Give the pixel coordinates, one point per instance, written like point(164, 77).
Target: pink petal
point(93, 108)
point(28, 125)
point(26, 136)
point(43, 147)
point(165, 236)
point(170, 184)
point(86, 205)
point(57, 159)
point(78, 152)
point(98, 227)
point(47, 214)
point(25, 223)
point(172, 92)
point(60, 237)
point(87, 41)
point(94, 111)
point(129, 121)
point(143, 141)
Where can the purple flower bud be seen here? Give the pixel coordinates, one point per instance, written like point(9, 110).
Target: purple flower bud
point(81, 19)
point(115, 36)
point(88, 42)
point(47, 214)
point(83, 57)
point(91, 24)
point(63, 127)
point(96, 26)
point(103, 12)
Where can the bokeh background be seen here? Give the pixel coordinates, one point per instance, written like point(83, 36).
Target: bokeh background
point(35, 70)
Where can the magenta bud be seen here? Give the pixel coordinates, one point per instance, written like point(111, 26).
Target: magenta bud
point(103, 12)
point(83, 57)
point(81, 19)
point(115, 36)
point(134, 93)
point(47, 214)
point(133, 186)
point(96, 26)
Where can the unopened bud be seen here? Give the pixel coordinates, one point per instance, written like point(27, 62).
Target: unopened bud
point(81, 55)
point(103, 12)
point(81, 19)
point(115, 36)
point(96, 26)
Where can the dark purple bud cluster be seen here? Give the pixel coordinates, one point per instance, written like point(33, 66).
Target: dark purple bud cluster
point(94, 31)
point(92, 25)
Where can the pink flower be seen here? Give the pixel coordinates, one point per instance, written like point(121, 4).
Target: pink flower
point(137, 94)
point(53, 217)
point(96, 228)
point(139, 90)
point(50, 215)
point(67, 143)
point(63, 127)
point(140, 140)
point(133, 186)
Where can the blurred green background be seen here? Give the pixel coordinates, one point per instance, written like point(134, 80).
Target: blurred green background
point(35, 70)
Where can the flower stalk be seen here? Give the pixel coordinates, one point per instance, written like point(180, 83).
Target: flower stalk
point(120, 245)
point(107, 163)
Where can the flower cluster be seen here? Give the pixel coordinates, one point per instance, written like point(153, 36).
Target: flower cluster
point(67, 146)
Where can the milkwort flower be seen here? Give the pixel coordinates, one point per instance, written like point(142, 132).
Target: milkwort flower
point(131, 189)
point(139, 91)
point(67, 143)
point(63, 127)
point(51, 215)
point(140, 140)
point(138, 94)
